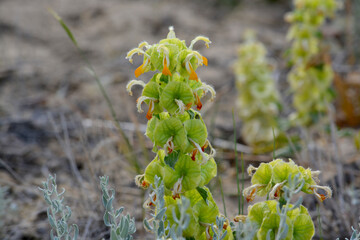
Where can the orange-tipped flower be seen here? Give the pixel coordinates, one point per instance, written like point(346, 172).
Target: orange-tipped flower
point(205, 61)
point(142, 68)
point(205, 145)
point(166, 70)
point(150, 111)
point(190, 70)
point(250, 192)
point(193, 75)
point(145, 184)
point(193, 155)
point(139, 70)
point(251, 196)
point(188, 106)
point(198, 102)
point(321, 197)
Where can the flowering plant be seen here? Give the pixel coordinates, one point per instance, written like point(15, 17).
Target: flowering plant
point(178, 132)
point(278, 218)
point(311, 75)
point(258, 100)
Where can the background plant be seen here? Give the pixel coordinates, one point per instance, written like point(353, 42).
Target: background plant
point(258, 99)
point(311, 74)
point(58, 214)
point(121, 227)
point(355, 235)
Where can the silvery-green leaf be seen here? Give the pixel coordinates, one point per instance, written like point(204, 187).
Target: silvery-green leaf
point(161, 229)
point(147, 225)
point(52, 237)
point(51, 219)
point(297, 204)
point(160, 214)
point(113, 235)
point(68, 214)
point(76, 232)
point(224, 235)
point(118, 212)
point(107, 219)
point(283, 234)
point(124, 229)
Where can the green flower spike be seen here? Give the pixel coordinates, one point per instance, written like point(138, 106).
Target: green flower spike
point(185, 158)
point(311, 75)
point(270, 178)
point(258, 101)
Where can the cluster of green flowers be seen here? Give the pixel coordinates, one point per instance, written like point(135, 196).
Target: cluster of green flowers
point(279, 180)
point(258, 100)
point(311, 76)
point(265, 216)
point(270, 178)
point(177, 131)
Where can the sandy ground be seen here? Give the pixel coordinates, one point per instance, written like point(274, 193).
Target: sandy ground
point(50, 105)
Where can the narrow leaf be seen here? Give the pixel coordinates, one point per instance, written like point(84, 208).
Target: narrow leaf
point(67, 30)
point(203, 193)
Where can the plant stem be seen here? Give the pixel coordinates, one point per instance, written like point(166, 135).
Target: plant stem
point(237, 165)
point(319, 220)
point(242, 182)
point(222, 195)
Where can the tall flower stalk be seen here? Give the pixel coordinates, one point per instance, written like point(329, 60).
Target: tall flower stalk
point(311, 75)
point(184, 156)
point(258, 100)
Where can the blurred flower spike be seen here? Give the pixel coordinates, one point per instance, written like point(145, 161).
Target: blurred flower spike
point(270, 178)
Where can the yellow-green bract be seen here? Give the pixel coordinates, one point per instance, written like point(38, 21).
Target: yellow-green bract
point(178, 132)
point(281, 180)
point(267, 219)
point(270, 178)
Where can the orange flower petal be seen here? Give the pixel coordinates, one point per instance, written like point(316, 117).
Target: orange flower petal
point(139, 70)
point(251, 195)
point(205, 146)
point(145, 184)
point(193, 75)
point(176, 196)
point(169, 150)
point(205, 61)
point(194, 154)
point(150, 111)
point(188, 106)
point(198, 103)
point(166, 70)
point(322, 197)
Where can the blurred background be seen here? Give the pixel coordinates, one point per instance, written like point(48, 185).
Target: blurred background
point(53, 118)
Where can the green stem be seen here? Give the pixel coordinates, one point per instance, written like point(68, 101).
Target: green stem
point(222, 195)
point(319, 220)
point(274, 143)
point(237, 164)
point(242, 182)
